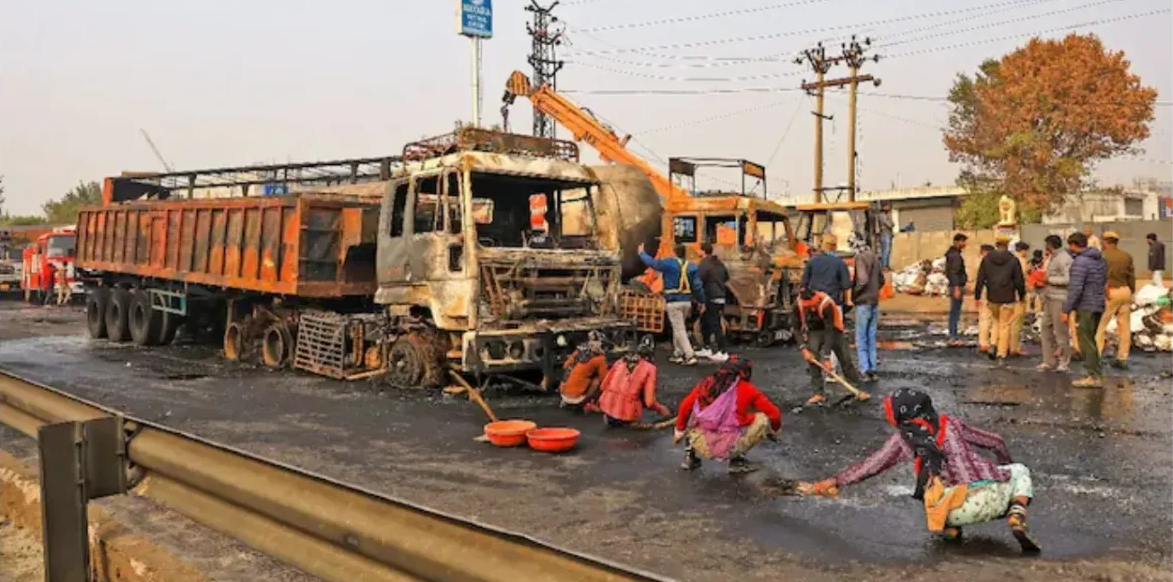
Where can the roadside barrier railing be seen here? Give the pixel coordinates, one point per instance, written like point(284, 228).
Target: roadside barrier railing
point(333, 530)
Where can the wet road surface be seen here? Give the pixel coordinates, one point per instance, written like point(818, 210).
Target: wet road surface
point(1102, 461)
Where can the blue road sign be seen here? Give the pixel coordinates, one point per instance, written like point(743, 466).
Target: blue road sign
point(476, 18)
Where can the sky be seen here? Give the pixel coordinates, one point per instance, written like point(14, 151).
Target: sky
point(219, 83)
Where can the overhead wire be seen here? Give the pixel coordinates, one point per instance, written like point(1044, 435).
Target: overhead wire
point(702, 17)
point(708, 61)
point(783, 34)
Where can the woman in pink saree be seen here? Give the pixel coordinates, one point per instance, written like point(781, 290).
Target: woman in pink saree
point(724, 417)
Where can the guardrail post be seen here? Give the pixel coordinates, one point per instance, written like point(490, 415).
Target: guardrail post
point(79, 461)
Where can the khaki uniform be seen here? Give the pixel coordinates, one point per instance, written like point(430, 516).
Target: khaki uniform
point(1019, 313)
point(1121, 285)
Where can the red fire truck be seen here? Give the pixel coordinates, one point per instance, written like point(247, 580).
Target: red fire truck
point(51, 252)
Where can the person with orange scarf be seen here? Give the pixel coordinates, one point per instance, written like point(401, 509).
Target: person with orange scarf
point(957, 485)
point(822, 331)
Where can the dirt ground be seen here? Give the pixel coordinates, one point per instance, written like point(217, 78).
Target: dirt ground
point(20, 555)
point(1102, 462)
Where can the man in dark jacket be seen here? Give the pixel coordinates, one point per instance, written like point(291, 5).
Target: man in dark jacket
point(1156, 257)
point(826, 272)
point(1085, 296)
point(1000, 277)
point(714, 277)
point(955, 273)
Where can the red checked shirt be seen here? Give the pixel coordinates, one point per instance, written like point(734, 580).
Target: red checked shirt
point(963, 464)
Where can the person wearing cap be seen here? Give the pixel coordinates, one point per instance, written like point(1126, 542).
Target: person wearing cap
point(1000, 278)
point(1022, 250)
point(1085, 296)
point(1156, 257)
point(987, 328)
point(1121, 287)
point(887, 227)
point(826, 272)
point(585, 368)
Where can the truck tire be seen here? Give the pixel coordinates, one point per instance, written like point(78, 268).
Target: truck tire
point(96, 304)
point(414, 362)
point(276, 345)
point(169, 327)
point(146, 322)
point(117, 315)
point(234, 342)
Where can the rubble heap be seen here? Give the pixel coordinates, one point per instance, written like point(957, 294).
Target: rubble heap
point(923, 278)
point(1151, 323)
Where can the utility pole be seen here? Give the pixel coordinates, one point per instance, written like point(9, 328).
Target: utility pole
point(542, 57)
point(854, 57)
point(820, 64)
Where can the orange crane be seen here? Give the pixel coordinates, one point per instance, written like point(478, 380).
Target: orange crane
point(760, 292)
point(586, 127)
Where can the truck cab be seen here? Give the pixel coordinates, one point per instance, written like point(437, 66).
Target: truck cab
point(56, 250)
point(488, 243)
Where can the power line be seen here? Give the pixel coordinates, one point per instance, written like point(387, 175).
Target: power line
point(786, 132)
point(1002, 23)
point(1097, 22)
point(777, 35)
point(701, 17)
point(708, 61)
point(713, 117)
point(933, 50)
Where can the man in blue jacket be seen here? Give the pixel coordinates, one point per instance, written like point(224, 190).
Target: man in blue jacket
point(679, 292)
point(1085, 296)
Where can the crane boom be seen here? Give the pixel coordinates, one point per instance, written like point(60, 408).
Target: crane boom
point(158, 154)
point(586, 127)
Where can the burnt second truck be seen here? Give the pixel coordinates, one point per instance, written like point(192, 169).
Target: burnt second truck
point(452, 256)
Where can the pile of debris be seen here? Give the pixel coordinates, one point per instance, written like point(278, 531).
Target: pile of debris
point(1152, 320)
point(923, 278)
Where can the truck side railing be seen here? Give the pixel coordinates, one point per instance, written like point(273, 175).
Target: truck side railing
point(255, 180)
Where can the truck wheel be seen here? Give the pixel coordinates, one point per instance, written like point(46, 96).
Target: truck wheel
point(276, 345)
point(233, 342)
point(414, 362)
point(167, 330)
point(146, 323)
point(117, 312)
point(96, 304)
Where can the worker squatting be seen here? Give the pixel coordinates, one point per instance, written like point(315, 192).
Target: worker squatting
point(725, 415)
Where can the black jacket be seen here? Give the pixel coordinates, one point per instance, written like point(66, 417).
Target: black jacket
point(1157, 256)
point(713, 276)
point(955, 268)
point(1000, 275)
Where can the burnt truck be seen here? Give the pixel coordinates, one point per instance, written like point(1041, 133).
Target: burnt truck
point(453, 256)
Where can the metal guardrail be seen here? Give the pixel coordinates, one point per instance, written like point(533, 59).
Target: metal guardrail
point(333, 530)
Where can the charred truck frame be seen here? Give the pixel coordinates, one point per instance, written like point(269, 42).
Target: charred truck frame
point(455, 255)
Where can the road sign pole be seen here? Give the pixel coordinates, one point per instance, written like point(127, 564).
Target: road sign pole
point(475, 22)
point(476, 80)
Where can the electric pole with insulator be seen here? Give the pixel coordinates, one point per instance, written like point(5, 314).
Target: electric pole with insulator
point(820, 64)
point(545, 38)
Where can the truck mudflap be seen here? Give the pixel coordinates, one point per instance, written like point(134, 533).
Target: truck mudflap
point(540, 348)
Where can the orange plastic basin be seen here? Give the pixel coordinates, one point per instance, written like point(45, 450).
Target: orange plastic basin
point(508, 433)
point(552, 440)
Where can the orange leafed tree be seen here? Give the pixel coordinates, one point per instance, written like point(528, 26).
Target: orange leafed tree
point(1033, 124)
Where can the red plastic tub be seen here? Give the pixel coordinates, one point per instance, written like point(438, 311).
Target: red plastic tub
point(508, 433)
point(552, 440)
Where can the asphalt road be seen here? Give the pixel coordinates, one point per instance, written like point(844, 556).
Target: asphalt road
point(1102, 460)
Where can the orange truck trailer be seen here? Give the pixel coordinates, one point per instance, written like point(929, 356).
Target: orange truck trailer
point(404, 267)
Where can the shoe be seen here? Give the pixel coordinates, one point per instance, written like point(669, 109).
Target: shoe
point(719, 357)
point(691, 461)
point(704, 353)
point(676, 360)
point(983, 349)
point(1017, 522)
point(870, 377)
point(1062, 368)
point(1088, 382)
point(740, 464)
point(1119, 364)
point(816, 400)
point(1044, 367)
point(992, 355)
point(689, 362)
